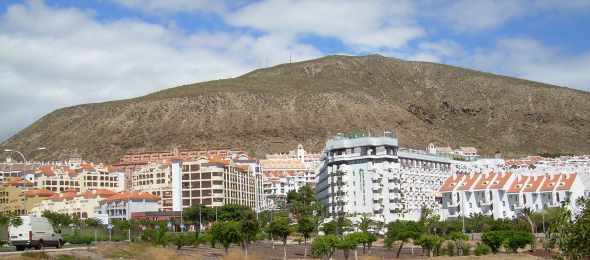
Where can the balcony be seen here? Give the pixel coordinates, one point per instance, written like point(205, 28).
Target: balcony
point(377, 207)
point(452, 204)
point(486, 202)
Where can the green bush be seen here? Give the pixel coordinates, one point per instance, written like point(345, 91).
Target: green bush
point(517, 239)
point(482, 249)
point(181, 240)
point(78, 239)
point(466, 249)
point(450, 248)
point(493, 239)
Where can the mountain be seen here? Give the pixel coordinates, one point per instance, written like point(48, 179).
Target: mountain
point(274, 109)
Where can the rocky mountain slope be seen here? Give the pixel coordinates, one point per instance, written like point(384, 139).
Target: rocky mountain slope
point(273, 109)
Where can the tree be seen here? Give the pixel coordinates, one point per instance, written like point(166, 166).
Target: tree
point(279, 227)
point(365, 223)
point(346, 244)
point(459, 239)
point(248, 227)
point(572, 233)
point(431, 243)
point(10, 219)
point(493, 239)
point(227, 233)
point(330, 228)
point(57, 220)
point(323, 246)
point(305, 226)
point(518, 239)
point(181, 240)
point(198, 215)
point(402, 231)
point(94, 223)
point(232, 212)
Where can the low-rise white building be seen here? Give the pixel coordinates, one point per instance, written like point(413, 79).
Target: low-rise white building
point(505, 194)
point(83, 205)
point(123, 204)
point(155, 178)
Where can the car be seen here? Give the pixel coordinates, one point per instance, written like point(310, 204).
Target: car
point(34, 232)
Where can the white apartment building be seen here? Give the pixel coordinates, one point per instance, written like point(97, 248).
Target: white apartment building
point(155, 178)
point(504, 194)
point(83, 205)
point(122, 205)
point(363, 175)
point(288, 172)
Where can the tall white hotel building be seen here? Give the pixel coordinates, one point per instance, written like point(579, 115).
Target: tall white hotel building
point(371, 175)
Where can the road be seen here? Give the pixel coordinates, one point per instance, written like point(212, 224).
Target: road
point(6, 251)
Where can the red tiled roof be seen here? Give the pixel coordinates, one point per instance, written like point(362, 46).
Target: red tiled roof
point(550, 182)
point(484, 181)
point(500, 181)
point(517, 185)
point(129, 195)
point(450, 183)
point(39, 192)
point(534, 183)
point(17, 181)
point(46, 170)
point(566, 181)
point(468, 181)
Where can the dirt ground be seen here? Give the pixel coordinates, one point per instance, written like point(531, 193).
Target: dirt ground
point(258, 251)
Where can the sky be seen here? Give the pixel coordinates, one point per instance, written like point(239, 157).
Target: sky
point(61, 53)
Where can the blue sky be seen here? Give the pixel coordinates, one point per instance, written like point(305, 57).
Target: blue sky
point(61, 53)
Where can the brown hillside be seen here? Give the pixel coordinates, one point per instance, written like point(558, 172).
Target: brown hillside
point(273, 109)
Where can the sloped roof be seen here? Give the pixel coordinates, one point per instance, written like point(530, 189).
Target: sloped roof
point(551, 181)
point(517, 185)
point(131, 195)
point(39, 192)
point(468, 181)
point(450, 183)
point(484, 181)
point(534, 183)
point(566, 181)
point(500, 181)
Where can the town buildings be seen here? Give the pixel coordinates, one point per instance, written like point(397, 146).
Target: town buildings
point(17, 196)
point(213, 182)
point(134, 161)
point(288, 172)
point(82, 205)
point(362, 174)
point(121, 206)
point(88, 177)
point(155, 178)
point(505, 194)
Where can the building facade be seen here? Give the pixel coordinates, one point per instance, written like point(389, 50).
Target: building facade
point(505, 194)
point(122, 205)
point(213, 182)
point(88, 177)
point(363, 175)
point(83, 205)
point(284, 173)
point(155, 178)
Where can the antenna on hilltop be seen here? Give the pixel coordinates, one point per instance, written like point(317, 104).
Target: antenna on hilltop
point(289, 57)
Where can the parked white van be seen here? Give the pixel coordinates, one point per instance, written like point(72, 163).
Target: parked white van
point(34, 232)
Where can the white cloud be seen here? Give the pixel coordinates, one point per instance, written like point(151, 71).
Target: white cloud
point(358, 24)
point(530, 59)
point(174, 6)
point(54, 57)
